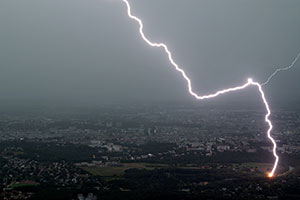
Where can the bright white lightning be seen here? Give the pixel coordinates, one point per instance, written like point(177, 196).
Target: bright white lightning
point(250, 82)
point(280, 69)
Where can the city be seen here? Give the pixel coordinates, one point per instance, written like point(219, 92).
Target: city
point(149, 100)
point(186, 151)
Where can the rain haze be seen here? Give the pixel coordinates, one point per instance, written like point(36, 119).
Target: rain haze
point(91, 109)
point(90, 52)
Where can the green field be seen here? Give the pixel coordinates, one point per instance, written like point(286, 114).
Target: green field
point(18, 185)
point(109, 171)
point(259, 169)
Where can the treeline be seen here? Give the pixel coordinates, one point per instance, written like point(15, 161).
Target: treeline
point(51, 152)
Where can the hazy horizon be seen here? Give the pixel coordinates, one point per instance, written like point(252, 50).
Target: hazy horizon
point(89, 52)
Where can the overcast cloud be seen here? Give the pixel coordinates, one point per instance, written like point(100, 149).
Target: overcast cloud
point(90, 51)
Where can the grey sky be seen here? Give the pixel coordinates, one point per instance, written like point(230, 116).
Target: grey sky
point(90, 51)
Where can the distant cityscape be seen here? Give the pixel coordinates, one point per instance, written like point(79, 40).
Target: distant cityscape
point(101, 153)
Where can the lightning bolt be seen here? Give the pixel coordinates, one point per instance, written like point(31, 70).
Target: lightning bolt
point(280, 69)
point(250, 82)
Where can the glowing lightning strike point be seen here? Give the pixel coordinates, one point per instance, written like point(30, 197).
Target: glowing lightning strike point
point(248, 83)
point(280, 69)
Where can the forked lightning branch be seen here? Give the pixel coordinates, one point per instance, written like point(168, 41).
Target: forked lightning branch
point(247, 84)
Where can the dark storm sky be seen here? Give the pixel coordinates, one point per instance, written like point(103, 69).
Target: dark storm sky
point(90, 51)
